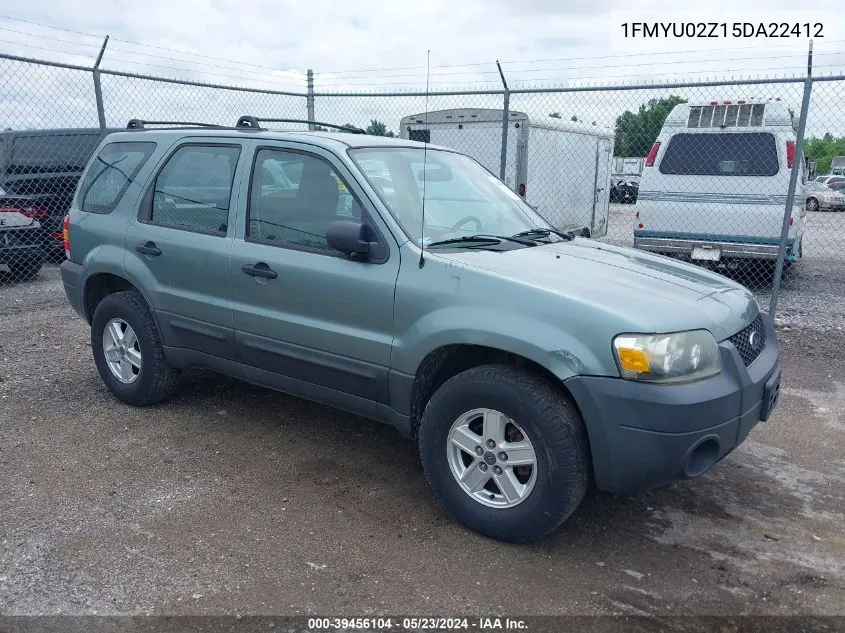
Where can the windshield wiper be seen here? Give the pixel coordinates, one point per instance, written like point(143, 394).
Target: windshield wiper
point(483, 239)
point(538, 232)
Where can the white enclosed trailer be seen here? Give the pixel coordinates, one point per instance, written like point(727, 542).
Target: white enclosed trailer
point(561, 169)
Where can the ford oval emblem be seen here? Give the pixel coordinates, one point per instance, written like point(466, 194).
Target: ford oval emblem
point(754, 340)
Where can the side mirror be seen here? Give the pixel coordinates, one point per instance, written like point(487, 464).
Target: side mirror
point(348, 237)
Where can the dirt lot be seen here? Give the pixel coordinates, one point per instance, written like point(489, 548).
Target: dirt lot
point(231, 499)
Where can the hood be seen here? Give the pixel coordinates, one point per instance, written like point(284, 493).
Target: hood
point(649, 293)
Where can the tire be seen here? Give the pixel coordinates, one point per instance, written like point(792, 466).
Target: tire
point(153, 380)
point(547, 419)
point(24, 272)
point(812, 204)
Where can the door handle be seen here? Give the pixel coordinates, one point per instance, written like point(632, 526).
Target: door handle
point(259, 270)
point(148, 248)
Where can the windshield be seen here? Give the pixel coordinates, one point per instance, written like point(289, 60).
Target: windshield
point(461, 197)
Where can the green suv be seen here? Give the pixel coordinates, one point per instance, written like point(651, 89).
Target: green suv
point(405, 283)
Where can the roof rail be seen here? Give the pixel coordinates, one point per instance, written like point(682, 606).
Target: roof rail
point(255, 123)
point(140, 124)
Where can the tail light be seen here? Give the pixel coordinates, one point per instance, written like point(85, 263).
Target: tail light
point(521, 189)
point(637, 215)
point(66, 235)
point(652, 155)
point(790, 153)
point(791, 221)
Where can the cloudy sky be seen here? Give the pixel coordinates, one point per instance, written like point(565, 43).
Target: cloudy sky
point(368, 45)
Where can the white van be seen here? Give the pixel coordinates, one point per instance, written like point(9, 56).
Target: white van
point(715, 184)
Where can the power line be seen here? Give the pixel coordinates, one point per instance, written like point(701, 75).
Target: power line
point(130, 42)
point(735, 71)
point(290, 83)
point(797, 56)
point(567, 59)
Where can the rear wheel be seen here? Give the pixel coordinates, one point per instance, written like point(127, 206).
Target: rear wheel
point(812, 204)
point(505, 452)
point(128, 352)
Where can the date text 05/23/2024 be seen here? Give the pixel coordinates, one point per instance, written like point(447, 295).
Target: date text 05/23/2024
point(417, 624)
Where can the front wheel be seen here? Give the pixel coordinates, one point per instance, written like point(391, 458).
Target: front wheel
point(812, 204)
point(505, 452)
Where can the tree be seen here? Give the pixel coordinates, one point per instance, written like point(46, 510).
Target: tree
point(377, 128)
point(822, 150)
point(555, 115)
point(636, 132)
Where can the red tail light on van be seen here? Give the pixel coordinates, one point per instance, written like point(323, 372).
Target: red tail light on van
point(652, 155)
point(790, 153)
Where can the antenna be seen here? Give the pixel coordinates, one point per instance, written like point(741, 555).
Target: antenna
point(426, 138)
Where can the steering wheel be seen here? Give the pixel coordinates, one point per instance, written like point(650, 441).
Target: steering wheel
point(466, 220)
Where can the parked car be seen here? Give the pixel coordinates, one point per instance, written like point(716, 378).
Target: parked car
point(39, 171)
point(21, 255)
point(836, 185)
point(526, 362)
point(715, 186)
point(822, 198)
point(829, 179)
point(624, 190)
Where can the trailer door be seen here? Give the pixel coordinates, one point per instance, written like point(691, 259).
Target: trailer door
point(601, 188)
point(481, 140)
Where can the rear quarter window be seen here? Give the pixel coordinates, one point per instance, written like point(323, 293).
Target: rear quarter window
point(110, 175)
point(730, 154)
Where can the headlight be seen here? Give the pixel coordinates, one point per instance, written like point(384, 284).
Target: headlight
point(678, 357)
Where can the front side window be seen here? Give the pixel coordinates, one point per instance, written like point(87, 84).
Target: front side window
point(294, 197)
point(194, 188)
point(461, 197)
point(729, 154)
point(111, 173)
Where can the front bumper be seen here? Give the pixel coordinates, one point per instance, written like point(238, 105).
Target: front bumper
point(646, 435)
point(684, 247)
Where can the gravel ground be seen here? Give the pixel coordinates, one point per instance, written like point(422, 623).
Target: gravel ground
point(230, 499)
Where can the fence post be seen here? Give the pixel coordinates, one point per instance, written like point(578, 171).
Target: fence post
point(797, 165)
point(503, 161)
point(98, 90)
point(309, 99)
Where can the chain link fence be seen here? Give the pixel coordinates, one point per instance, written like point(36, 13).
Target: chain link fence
point(691, 170)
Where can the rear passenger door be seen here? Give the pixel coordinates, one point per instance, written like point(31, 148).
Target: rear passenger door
point(178, 245)
point(302, 309)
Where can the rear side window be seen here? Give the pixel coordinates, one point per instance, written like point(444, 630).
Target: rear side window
point(734, 154)
point(193, 189)
point(111, 173)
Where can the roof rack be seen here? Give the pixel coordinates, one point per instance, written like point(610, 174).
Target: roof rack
point(255, 123)
point(140, 124)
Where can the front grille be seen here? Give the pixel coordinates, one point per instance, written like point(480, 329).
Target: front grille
point(750, 341)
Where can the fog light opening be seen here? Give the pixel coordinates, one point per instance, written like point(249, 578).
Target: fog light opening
point(702, 457)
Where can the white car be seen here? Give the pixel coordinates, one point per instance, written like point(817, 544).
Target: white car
point(822, 198)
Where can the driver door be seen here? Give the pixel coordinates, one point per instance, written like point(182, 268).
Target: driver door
point(301, 309)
